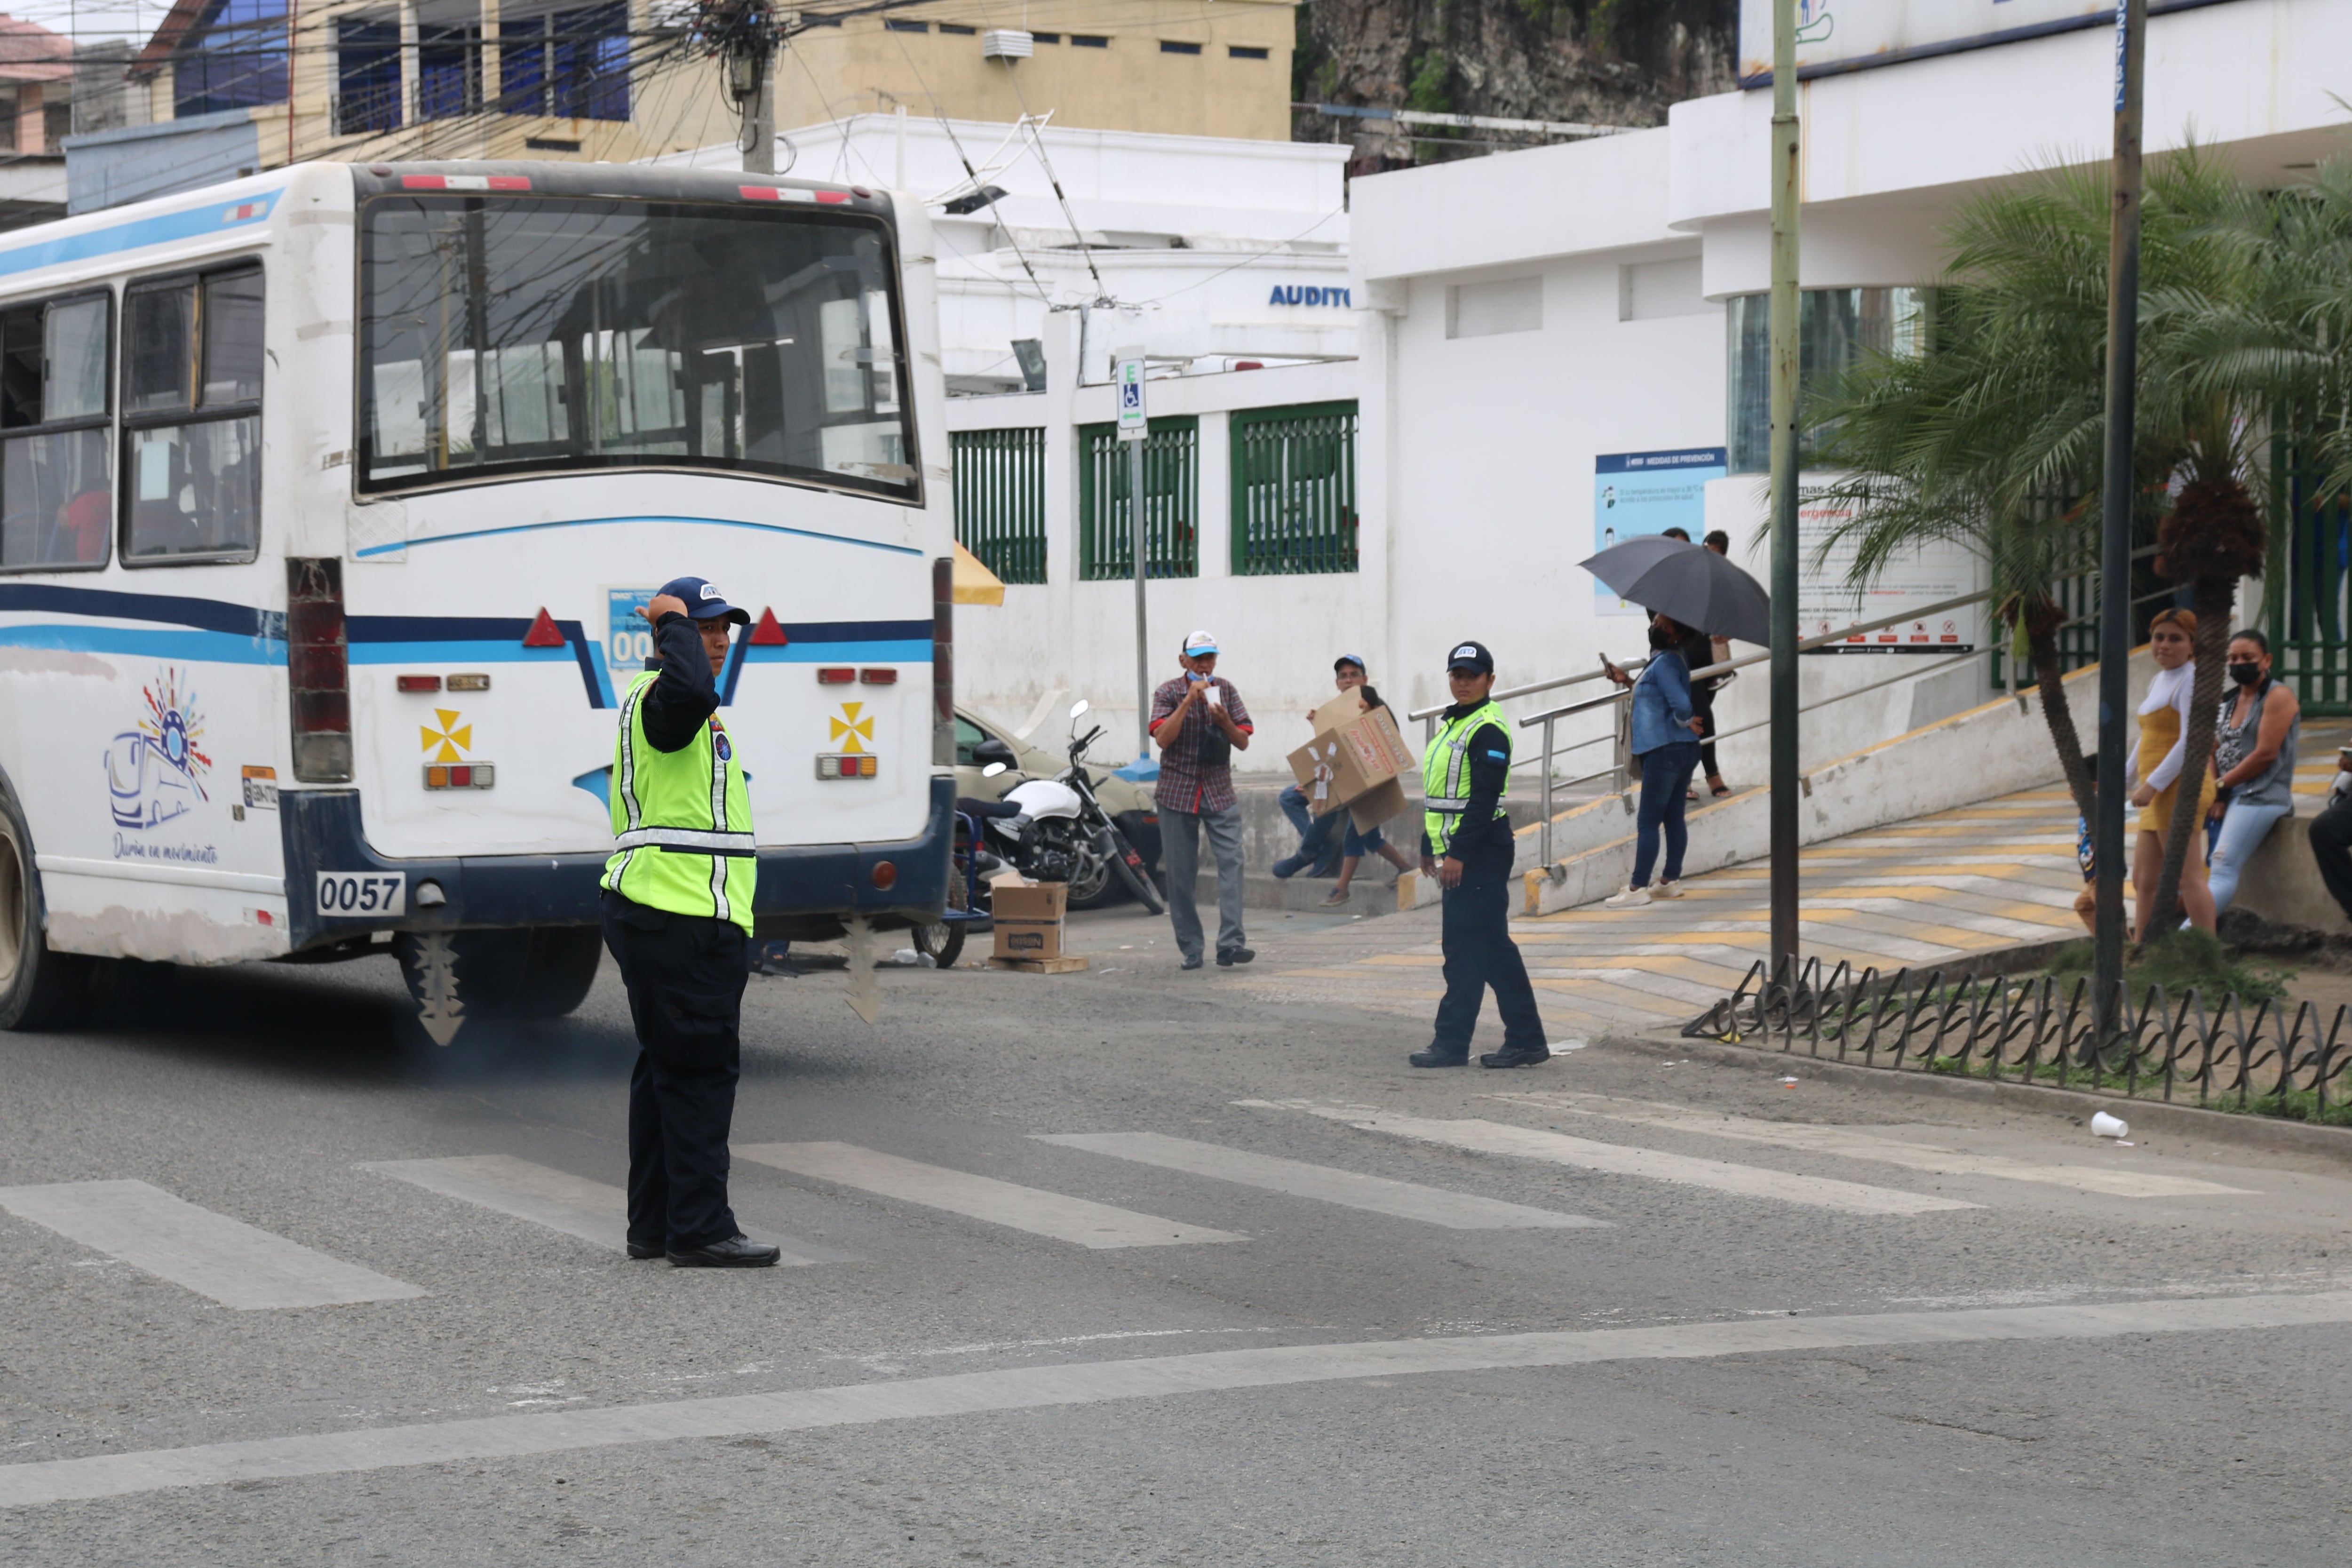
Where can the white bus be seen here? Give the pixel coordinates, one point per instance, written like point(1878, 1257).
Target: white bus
point(327, 501)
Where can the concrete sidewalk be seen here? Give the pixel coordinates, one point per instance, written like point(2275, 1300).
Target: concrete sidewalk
point(1932, 890)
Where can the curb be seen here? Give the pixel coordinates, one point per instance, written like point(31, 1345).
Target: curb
point(2268, 1133)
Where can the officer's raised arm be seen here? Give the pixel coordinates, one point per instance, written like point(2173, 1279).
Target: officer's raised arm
point(688, 655)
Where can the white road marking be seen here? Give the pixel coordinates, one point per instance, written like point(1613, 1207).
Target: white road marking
point(1142, 1377)
point(559, 1200)
point(1064, 1218)
point(1854, 1143)
point(1404, 1200)
point(1628, 1159)
point(210, 1253)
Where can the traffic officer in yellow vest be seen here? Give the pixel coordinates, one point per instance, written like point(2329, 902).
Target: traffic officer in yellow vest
point(677, 914)
point(1467, 844)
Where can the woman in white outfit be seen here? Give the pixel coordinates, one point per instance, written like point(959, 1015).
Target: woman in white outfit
point(2164, 734)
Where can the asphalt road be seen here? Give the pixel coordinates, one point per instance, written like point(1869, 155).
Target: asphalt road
point(1720, 1321)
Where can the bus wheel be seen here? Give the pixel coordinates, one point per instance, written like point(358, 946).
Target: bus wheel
point(541, 971)
point(38, 989)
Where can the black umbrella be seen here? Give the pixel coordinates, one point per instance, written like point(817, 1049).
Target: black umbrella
point(1689, 582)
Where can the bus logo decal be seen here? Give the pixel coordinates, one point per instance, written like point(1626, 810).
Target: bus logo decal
point(155, 773)
point(453, 738)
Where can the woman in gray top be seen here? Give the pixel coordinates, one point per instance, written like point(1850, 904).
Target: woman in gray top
point(2254, 738)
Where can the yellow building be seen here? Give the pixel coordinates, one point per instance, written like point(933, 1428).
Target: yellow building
point(627, 79)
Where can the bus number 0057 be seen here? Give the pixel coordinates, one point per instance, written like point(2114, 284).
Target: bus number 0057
point(361, 893)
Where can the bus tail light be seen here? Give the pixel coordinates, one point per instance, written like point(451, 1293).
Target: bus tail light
point(318, 676)
point(944, 753)
point(878, 677)
point(419, 683)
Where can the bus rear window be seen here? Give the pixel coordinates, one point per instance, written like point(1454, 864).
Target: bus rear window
point(537, 334)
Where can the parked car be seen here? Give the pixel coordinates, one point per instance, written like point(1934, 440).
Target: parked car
point(1129, 804)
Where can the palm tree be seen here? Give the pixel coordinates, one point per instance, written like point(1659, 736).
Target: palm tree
point(1995, 436)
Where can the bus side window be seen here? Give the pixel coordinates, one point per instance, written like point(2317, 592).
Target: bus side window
point(192, 418)
point(56, 496)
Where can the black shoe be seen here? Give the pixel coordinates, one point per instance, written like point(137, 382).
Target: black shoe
point(1228, 957)
point(641, 1250)
point(735, 1252)
point(1516, 1056)
point(1433, 1057)
point(1192, 963)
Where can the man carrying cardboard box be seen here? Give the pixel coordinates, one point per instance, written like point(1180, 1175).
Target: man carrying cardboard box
point(1351, 763)
point(1316, 823)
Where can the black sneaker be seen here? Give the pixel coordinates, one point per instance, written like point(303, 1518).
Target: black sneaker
point(1434, 1057)
point(641, 1250)
point(1228, 957)
point(735, 1252)
point(1192, 963)
point(1516, 1056)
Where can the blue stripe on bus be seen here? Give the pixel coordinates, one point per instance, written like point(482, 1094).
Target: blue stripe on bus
point(141, 642)
point(603, 522)
point(162, 229)
point(876, 651)
point(211, 614)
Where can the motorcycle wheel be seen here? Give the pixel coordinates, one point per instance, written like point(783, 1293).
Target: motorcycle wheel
point(943, 939)
point(1093, 885)
point(1129, 866)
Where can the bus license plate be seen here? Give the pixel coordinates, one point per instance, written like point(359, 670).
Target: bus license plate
point(353, 895)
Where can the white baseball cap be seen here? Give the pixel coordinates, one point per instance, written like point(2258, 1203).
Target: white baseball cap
point(1199, 643)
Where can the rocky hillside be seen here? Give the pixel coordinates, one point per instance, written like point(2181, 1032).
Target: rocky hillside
point(1617, 62)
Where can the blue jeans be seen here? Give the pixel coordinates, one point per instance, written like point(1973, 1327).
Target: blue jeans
point(1665, 779)
point(2243, 828)
point(1315, 834)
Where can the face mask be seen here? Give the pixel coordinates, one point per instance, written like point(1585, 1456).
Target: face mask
point(2246, 674)
point(1661, 638)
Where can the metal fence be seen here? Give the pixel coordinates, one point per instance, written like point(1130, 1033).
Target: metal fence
point(999, 500)
point(2292, 1062)
point(1171, 502)
point(1293, 489)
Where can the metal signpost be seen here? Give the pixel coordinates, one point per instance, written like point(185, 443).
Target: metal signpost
point(1133, 428)
point(1784, 323)
point(2116, 519)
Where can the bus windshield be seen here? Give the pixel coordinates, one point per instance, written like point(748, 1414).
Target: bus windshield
point(525, 336)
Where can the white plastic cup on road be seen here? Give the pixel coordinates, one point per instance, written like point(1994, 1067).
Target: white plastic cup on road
point(2106, 1126)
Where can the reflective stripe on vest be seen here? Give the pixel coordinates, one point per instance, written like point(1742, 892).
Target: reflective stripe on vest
point(681, 821)
point(1445, 773)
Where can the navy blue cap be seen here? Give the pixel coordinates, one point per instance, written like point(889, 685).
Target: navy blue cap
point(1471, 656)
point(1356, 660)
point(703, 600)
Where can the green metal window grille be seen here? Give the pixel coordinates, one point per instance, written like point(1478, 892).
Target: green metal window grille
point(2308, 582)
point(999, 500)
point(1293, 484)
point(1171, 502)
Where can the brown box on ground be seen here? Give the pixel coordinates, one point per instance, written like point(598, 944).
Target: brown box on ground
point(1355, 765)
point(1029, 917)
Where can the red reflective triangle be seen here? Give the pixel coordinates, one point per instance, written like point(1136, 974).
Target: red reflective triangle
point(768, 634)
point(544, 632)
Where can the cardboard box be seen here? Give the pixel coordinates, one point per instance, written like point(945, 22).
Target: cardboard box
point(1356, 765)
point(1029, 917)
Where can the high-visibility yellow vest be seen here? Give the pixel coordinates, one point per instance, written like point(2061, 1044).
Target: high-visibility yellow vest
point(1445, 773)
point(682, 820)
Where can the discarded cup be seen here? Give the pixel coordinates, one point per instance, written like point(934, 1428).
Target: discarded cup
point(2106, 1126)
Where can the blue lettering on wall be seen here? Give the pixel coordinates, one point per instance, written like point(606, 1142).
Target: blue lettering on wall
point(1296, 294)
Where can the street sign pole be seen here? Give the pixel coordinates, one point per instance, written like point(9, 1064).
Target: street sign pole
point(2116, 521)
point(1133, 428)
point(1785, 325)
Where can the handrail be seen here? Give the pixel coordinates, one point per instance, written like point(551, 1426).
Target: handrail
point(1528, 691)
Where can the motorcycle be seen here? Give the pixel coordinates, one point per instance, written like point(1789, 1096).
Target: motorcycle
point(1063, 835)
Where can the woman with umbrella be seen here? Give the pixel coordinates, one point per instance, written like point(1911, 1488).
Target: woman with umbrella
point(1666, 740)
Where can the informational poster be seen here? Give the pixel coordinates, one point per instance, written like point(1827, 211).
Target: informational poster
point(1640, 493)
point(1826, 602)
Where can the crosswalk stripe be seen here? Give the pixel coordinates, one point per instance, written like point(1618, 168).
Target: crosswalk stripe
point(230, 1261)
point(1629, 1160)
point(591, 1211)
point(1055, 1215)
point(1857, 1145)
point(1295, 1178)
point(500, 1437)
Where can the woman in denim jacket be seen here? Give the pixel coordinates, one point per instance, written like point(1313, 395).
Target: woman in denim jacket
point(1666, 739)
